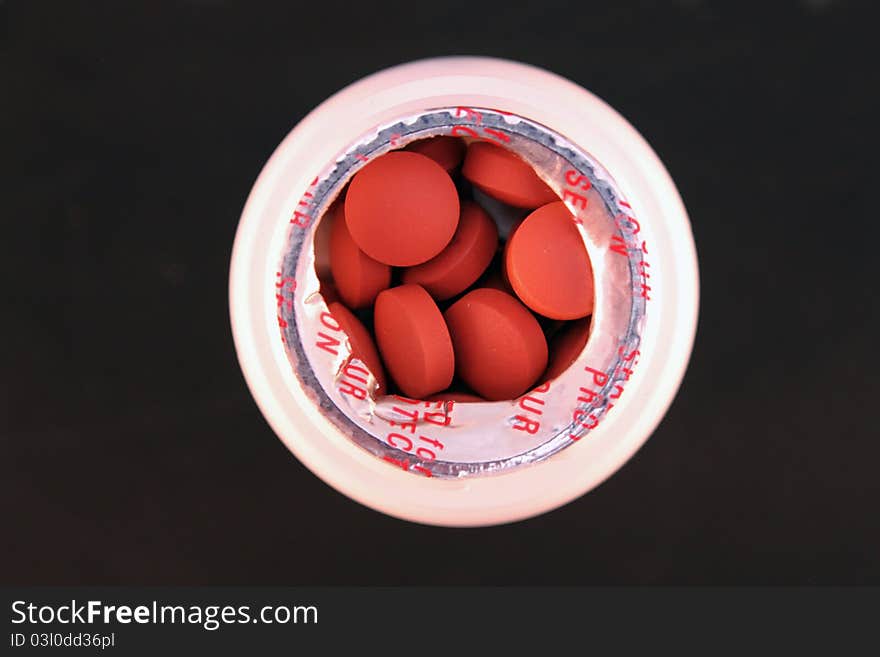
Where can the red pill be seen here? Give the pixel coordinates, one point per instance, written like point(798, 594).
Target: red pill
point(362, 346)
point(547, 264)
point(448, 152)
point(402, 209)
point(413, 340)
point(504, 175)
point(500, 350)
point(357, 276)
point(465, 258)
point(566, 346)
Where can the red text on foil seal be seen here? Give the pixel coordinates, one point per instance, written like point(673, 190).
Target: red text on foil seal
point(590, 393)
point(300, 218)
point(626, 220)
point(355, 377)
point(479, 131)
point(409, 417)
point(532, 405)
point(408, 436)
point(572, 195)
point(285, 286)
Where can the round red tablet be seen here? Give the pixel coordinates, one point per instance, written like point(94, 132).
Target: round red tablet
point(465, 258)
point(357, 276)
point(566, 346)
point(413, 340)
point(503, 175)
point(402, 208)
point(362, 346)
point(547, 264)
point(448, 152)
point(500, 349)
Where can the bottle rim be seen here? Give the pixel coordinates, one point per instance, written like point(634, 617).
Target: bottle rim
point(540, 96)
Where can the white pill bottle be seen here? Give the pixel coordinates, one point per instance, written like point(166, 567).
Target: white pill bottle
point(468, 464)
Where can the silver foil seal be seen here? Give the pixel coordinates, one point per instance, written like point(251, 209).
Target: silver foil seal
point(452, 439)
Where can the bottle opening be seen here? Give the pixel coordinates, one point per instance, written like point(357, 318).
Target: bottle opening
point(451, 432)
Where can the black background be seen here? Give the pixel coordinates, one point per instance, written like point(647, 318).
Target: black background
point(132, 450)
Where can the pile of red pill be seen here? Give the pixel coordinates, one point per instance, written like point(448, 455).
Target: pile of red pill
point(431, 299)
